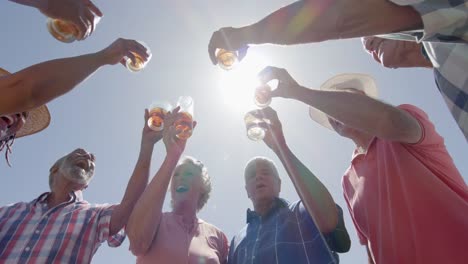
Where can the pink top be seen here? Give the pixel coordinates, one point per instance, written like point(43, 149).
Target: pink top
point(408, 202)
point(176, 243)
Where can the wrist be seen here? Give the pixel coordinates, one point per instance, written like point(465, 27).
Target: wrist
point(101, 58)
point(146, 148)
point(295, 92)
point(280, 148)
point(173, 156)
point(246, 35)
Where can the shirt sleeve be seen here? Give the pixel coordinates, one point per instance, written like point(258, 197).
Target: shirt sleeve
point(103, 227)
point(443, 20)
point(430, 138)
point(338, 240)
point(223, 247)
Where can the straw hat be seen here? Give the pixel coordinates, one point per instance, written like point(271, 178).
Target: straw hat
point(38, 119)
point(358, 81)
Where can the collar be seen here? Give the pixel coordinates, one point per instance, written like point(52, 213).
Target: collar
point(358, 152)
point(277, 204)
point(74, 197)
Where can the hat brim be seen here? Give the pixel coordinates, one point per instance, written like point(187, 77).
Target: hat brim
point(358, 81)
point(38, 119)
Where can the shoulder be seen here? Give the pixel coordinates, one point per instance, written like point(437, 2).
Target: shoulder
point(212, 228)
point(102, 209)
point(428, 131)
point(16, 206)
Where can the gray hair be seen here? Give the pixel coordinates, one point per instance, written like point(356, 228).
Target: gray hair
point(53, 169)
point(252, 165)
point(205, 195)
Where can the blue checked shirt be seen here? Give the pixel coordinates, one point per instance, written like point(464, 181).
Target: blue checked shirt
point(286, 234)
point(445, 41)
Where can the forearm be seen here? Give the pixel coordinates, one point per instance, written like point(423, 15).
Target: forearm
point(320, 20)
point(354, 110)
point(146, 215)
point(32, 3)
point(41, 83)
point(135, 187)
point(314, 195)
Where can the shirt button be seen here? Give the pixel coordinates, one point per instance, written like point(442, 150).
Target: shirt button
point(27, 248)
point(37, 232)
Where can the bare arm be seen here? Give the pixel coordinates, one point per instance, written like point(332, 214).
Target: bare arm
point(31, 3)
point(43, 82)
point(138, 180)
point(364, 113)
point(146, 215)
point(355, 110)
point(319, 20)
point(314, 195)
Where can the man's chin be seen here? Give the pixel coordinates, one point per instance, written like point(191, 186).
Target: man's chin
point(79, 177)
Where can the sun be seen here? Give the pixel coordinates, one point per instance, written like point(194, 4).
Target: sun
point(237, 86)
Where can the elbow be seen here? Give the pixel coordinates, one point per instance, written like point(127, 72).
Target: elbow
point(329, 223)
point(139, 245)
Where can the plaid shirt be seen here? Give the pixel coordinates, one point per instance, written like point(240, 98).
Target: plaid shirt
point(286, 234)
point(445, 41)
point(68, 233)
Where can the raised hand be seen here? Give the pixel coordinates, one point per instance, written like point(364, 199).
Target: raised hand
point(149, 136)
point(286, 84)
point(82, 13)
point(274, 137)
point(122, 48)
point(226, 38)
point(174, 145)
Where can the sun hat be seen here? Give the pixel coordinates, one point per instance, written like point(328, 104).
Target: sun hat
point(358, 81)
point(38, 119)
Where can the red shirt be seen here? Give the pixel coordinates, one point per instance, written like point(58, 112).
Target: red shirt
point(408, 202)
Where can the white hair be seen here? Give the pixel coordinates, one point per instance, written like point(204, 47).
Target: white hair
point(252, 165)
point(205, 195)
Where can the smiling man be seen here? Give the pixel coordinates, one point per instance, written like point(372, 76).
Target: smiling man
point(59, 226)
point(310, 230)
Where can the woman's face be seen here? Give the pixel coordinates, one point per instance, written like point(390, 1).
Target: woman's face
point(186, 183)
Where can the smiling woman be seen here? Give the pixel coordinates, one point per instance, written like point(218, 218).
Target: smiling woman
point(238, 85)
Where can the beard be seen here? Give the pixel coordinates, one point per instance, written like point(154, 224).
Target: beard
point(78, 175)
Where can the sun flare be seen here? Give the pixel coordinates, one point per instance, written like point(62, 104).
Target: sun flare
point(238, 85)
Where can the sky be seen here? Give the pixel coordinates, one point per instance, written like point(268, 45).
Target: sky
point(104, 114)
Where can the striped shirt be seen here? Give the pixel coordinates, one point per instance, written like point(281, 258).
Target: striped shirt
point(68, 233)
point(445, 40)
